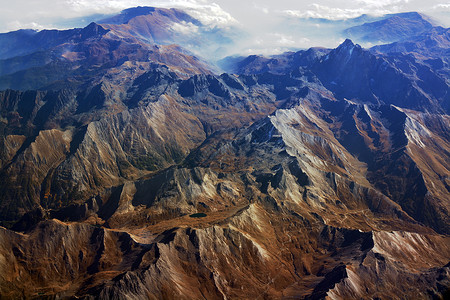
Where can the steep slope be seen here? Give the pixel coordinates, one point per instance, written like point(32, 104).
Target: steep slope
point(379, 80)
point(354, 73)
point(430, 48)
point(295, 167)
point(91, 54)
point(244, 257)
point(111, 137)
point(109, 149)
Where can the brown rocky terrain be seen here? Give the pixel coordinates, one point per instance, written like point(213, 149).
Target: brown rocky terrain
point(310, 175)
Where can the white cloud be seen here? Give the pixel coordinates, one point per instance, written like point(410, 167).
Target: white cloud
point(333, 13)
point(351, 9)
point(283, 40)
point(440, 12)
point(184, 28)
point(380, 3)
point(210, 14)
point(103, 6)
point(443, 6)
point(33, 25)
point(264, 9)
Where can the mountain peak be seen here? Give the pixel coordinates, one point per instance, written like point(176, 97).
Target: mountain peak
point(93, 29)
point(347, 46)
point(347, 43)
point(127, 14)
point(139, 10)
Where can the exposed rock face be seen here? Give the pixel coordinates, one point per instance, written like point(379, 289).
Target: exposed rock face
point(110, 148)
point(311, 175)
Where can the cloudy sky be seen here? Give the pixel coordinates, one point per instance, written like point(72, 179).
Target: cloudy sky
point(39, 14)
point(261, 18)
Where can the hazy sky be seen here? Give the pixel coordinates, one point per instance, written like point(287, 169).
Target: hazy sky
point(261, 18)
point(40, 14)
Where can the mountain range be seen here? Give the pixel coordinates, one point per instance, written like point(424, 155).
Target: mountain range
point(391, 28)
point(130, 169)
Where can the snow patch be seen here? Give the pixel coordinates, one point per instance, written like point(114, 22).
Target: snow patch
point(415, 132)
point(369, 113)
point(351, 51)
